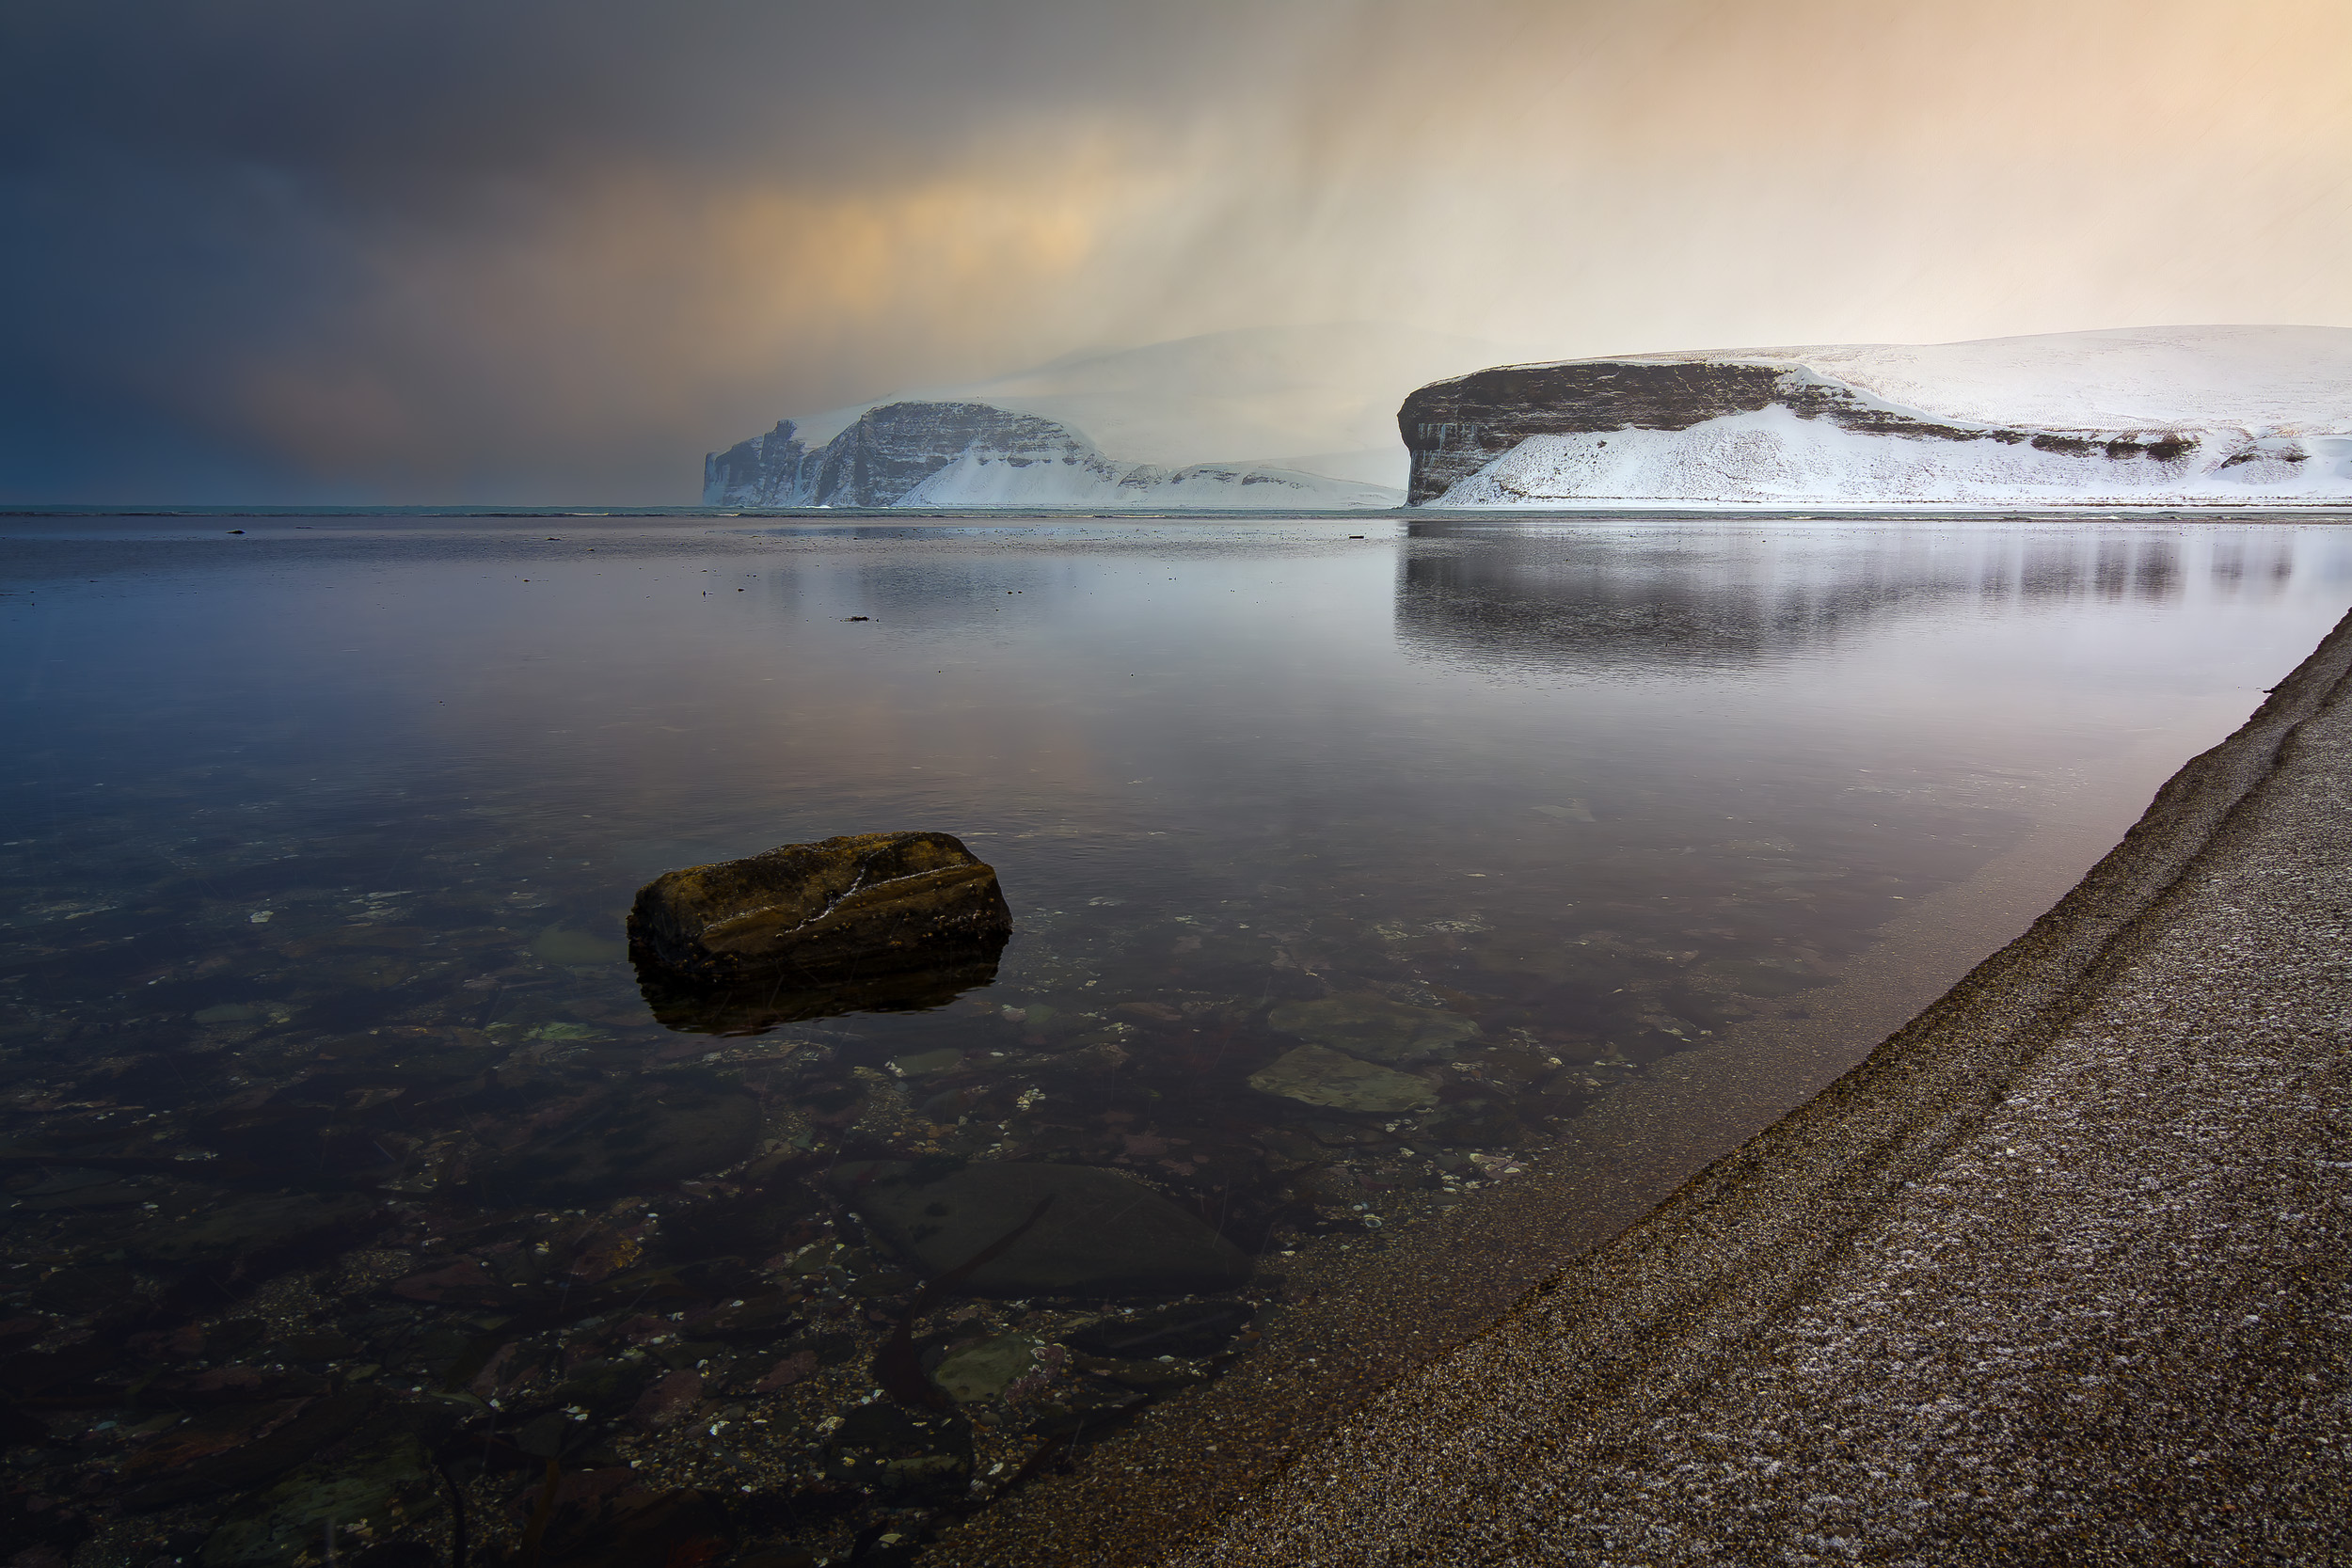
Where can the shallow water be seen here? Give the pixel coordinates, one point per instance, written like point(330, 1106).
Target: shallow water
point(1347, 874)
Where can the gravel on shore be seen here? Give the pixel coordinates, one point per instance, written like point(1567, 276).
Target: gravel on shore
point(2062, 1273)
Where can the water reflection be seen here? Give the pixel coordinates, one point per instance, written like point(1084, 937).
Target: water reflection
point(1679, 594)
point(758, 1009)
point(1344, 875)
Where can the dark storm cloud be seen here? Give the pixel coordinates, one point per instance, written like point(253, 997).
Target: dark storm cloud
point(377, 99)
point(555, 251)
point(199, 192)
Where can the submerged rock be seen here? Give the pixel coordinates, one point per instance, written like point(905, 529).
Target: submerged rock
point(1103, 1234)
point(985, 1370)
point(1186, 1328)
point(1374, 1027)
point(881, 1448)
point(1315, 1076)
point(837, 910)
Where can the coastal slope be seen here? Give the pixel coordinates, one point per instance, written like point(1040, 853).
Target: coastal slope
point(2058, 1274)
point(2152, 416)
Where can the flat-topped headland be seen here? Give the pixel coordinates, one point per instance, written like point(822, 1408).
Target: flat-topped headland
point(2155, 416)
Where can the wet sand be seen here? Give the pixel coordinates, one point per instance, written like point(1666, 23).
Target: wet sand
point(2058, 1273)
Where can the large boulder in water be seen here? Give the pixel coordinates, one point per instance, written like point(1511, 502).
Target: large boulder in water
point(818, 914)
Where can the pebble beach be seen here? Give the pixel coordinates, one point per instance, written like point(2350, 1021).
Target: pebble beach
point(2058, 1275)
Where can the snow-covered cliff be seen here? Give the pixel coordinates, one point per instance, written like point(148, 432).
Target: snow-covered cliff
point(949, 454)
point(2155, 416)
point(1168, 424)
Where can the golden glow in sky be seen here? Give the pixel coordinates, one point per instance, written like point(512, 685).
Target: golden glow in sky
point(593, 303)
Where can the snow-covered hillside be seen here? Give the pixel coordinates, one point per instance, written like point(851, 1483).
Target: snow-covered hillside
point(2186, 415)
point(1288, 417)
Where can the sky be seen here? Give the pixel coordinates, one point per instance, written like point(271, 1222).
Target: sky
point(523, 250)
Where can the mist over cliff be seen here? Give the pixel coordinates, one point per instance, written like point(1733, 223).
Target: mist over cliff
point(957, 455)
point(1282, 417)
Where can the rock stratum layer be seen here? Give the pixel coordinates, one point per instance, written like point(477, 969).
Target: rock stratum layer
point(928, 455)
point(2165, 415)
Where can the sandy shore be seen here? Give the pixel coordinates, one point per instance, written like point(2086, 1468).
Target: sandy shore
point(2060, 1273)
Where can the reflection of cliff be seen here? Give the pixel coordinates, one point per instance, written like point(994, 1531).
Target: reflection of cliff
point(1707, 598)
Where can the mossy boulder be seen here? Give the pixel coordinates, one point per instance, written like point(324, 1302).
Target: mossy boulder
point(817, 913)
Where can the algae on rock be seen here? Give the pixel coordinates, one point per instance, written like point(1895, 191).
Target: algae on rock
point(860, 905)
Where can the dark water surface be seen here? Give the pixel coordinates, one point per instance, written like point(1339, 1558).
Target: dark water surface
point(346, 1168)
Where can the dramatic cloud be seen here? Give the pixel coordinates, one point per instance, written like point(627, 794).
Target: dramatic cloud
point(539, 250)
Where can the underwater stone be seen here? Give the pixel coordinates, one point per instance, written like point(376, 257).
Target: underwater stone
point(1315, 1076)
point(1374, 1027)
point(881, 1448)
point(867, 903)
point(1186, 1328)
point(1104, 1234)
point(985, 1370)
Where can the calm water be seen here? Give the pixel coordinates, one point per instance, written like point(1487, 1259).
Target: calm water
point(346, 1165)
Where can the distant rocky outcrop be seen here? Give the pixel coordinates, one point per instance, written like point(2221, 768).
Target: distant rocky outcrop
point(2184, 415)
point(884, 453)
point(1258, 417)
point(922, 453)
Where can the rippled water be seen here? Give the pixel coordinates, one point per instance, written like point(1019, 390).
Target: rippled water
point(344, 1160)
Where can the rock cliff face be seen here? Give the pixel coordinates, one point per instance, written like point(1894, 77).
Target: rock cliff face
point(886, 452)
point(2098, 417)
point(921, 453)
